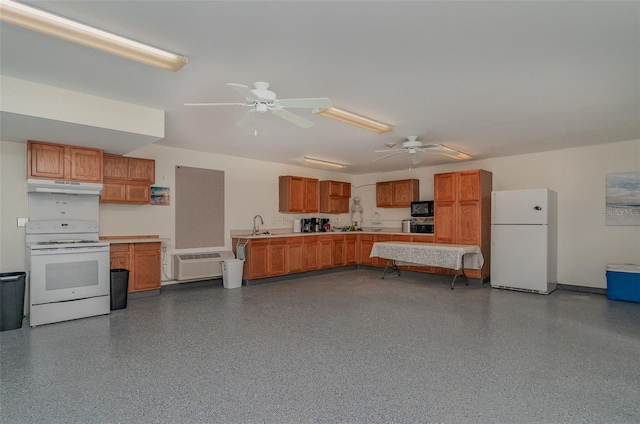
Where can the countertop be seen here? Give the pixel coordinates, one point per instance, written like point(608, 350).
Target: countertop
point(133, 239)
point(243, 234)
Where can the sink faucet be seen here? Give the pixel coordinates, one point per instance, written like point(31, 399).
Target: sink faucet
point(256, 228)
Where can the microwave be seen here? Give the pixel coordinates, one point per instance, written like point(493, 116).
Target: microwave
point(422, 209)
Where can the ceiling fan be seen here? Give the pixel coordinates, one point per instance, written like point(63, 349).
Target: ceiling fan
point(260, 99)
point(413, 147)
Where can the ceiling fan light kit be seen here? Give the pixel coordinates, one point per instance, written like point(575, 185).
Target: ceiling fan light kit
point(57, 26)
point(324, 163)
point(353, 119)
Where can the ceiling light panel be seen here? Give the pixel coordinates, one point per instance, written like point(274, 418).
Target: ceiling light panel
point(353, 119)
point(323, 163)
point(57, 26)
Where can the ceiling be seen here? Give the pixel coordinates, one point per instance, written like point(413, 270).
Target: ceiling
point(487, 78)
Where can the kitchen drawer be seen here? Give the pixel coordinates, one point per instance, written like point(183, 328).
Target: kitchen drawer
point(142, 247)
point(119, 248)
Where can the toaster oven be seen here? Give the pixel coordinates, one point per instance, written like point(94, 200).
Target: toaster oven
point(422, 228)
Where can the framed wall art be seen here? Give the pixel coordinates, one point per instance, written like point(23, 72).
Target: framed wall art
point(160, 196)
point(623, 199)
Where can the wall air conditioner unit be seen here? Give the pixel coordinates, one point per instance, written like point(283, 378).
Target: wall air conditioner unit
point(199, 266)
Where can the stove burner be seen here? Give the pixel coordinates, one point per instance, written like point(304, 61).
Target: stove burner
point(66, 242)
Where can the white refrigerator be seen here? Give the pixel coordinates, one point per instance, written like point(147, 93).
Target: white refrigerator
point(524, 234)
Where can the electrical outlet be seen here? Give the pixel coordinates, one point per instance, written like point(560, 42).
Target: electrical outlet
point(22, 222)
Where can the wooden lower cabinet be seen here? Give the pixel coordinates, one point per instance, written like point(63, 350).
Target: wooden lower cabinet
point(257, 263)
point(325, 251)
point(278, 257)
point(310, 253)
point(339, 250)
point(294, 255)
point(366, 244)
point(143, 262)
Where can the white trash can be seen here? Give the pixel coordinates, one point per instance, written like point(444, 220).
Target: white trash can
point(232, 273)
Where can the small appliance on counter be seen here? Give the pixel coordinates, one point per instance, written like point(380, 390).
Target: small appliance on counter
point(297, 225)
point(424, 227)
point(308, 225)
point(407, 225)
point(313, 225)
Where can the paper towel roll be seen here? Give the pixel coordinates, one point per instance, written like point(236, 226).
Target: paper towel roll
point(297, 226)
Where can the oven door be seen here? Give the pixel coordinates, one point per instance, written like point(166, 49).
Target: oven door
point(57, 275)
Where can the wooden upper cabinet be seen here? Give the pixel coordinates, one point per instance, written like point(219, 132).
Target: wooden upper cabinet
point(405, 192)
point(396, 194)
point(142, 170)
point(469, 186)
point(384, 194)
point(129, 169)
point(334, 196)
point(63, 162)
point(45, 160)
point(444, 187)
point(298, 194)
point(116, 167)
point(127, 180)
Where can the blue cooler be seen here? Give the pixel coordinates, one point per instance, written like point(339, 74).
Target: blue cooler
point(623, 282)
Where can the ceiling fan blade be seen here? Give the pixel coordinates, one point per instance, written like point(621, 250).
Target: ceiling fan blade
point(388, 156)
point(217, 104)
point(292, 117)
point(415, 158)
point(311, 103)
point(389, 150)
point(245, 91)
point(246, 118)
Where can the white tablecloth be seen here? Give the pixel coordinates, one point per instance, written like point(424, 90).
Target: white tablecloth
point(431, 254)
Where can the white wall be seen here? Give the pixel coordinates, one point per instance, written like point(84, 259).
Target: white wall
point(585, 244)
point(13, 204)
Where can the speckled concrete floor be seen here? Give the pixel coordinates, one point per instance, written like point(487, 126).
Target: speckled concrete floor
point(345, 347)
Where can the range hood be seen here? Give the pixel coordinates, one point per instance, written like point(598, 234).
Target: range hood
point(64, 187)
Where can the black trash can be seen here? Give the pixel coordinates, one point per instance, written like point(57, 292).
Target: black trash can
point(119, 286)
point(11, 300)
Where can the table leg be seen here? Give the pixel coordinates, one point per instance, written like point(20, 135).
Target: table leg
point(458, 271)
point(387, 266)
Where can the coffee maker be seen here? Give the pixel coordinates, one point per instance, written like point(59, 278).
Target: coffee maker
point(323, 224)
point(305, 223)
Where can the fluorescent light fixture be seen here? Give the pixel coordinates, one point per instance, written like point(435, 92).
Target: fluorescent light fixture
point(449, 152)
point(323, 163)
point(353, 119)
point(38, 20)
